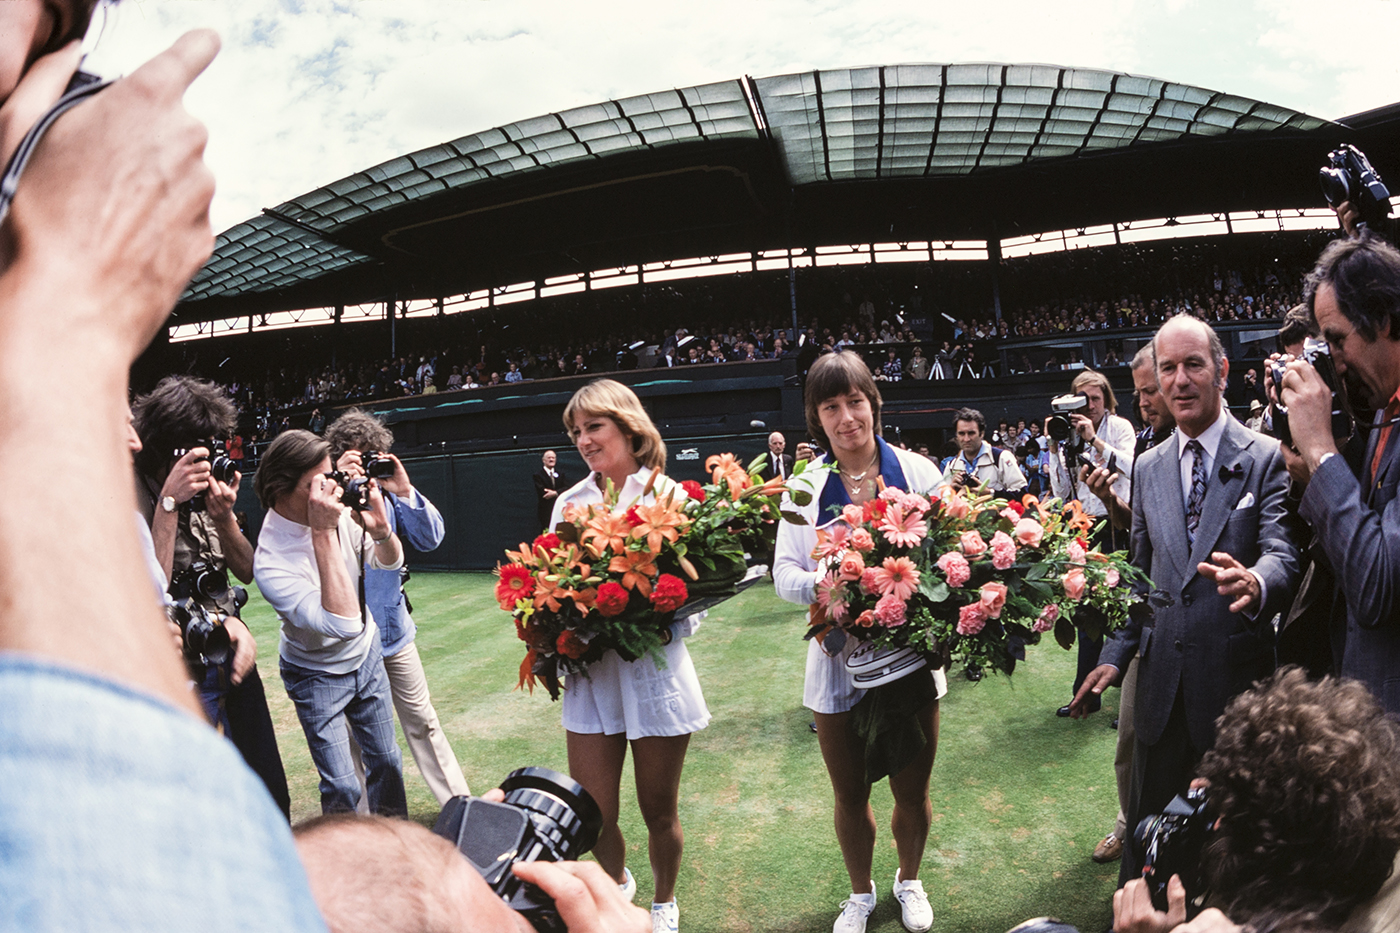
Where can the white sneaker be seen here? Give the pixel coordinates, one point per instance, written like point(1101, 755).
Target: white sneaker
point(855, 910)
point(915, 912)
point(628, 887)
point(665, 918)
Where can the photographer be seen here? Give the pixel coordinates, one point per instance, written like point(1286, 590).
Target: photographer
point(311, 553)
point(197, 543)
point(979, 463)
point(1354, 296)
point(1301, 825)
point(360, 442)
point(1097, 437)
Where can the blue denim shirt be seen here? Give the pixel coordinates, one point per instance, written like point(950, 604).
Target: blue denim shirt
point(418, 522)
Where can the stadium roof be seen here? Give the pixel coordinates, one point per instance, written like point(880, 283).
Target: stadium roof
point(913, 152)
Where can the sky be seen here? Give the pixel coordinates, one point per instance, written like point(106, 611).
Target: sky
point(306, 92)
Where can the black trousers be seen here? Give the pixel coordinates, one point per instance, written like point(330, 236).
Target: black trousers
point(250, 730)
point(1160, 772)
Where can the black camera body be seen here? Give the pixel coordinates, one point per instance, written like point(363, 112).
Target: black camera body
point(1319, 356)
point(354, 490)
point(1170, 843)
point(377, 465)
point(1060, 427)
point(546, 817)
point(1349, 176)
point(221, 467)
point(202, 580)
point(203, 637)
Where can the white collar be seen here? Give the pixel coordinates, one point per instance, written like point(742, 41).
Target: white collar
point(1209, 438)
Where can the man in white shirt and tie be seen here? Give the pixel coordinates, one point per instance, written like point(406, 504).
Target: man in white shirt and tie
point(779, 464)
point(548, 482)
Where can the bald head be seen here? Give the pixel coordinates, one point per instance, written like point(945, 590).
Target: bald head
point(777, 443)
point(1191, 372)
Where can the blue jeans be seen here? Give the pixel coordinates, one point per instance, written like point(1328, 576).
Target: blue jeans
point(120, 812)
point(325, 703)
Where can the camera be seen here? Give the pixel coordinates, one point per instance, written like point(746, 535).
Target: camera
point(221, 467)
point(1319, 356)
point(377, 465)
point(354, 490)
point(202, 580)
point(1059, 427)
point(202, 634)
point(1349, 176)
point(1170, 843)
point(546, 817)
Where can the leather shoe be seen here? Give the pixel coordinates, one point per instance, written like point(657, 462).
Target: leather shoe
point(1062, 712)
point(1114, 724)
point(1110, 850)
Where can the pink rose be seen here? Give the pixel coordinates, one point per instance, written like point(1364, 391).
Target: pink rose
point(971, 619)
point(862, 541)
point(1111, 577)
point(867, 580)
point(1047, 619)
point(852, 566)
point(1074, 584)
point(1075, 552)
point(866, 619)
point(1010, 516)
point(1028, 531)
point(993, 599)
point(853, 515)
point(954, 567)
point(1003, 550)
point(972, 543)
point(954, 505)
point(889, 611)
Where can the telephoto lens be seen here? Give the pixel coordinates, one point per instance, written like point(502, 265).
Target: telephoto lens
point(546, 817)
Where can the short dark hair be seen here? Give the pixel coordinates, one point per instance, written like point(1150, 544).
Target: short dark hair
point(970, 414)
point(285, 462)
point(1305, 777)
point(179, 411)
point(358, 430)
point(836, 374)
point(1364, 274)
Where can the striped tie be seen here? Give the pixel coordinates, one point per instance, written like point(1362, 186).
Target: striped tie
point(1198, 489)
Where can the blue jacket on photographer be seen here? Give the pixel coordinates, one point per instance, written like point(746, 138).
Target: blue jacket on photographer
point(359, 446)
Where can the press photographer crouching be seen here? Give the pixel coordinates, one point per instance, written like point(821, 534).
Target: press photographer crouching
point(186, 490)
point(1301, 819)
point(320, 532)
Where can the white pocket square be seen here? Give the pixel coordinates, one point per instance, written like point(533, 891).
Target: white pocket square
point(1246, 501)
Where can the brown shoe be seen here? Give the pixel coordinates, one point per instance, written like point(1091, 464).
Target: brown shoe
point(1110, 850)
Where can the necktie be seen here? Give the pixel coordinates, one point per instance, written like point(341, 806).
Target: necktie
point(1198, 489)
point(1391, 411)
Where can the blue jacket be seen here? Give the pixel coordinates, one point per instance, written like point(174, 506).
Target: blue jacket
point(417, 522)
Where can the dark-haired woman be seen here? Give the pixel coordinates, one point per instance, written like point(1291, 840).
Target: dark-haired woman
point(620, 703)
point(843, 414)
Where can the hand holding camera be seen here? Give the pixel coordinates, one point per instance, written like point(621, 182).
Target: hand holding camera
point(189, 476)
point(1312, 412)
point(323, 506)
point(386, 468)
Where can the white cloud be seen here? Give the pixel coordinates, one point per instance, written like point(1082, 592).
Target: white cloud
point(307, 92)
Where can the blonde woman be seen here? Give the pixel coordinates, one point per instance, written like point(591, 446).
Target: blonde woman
point(621, 703)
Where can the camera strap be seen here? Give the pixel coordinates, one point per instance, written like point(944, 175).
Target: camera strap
point(9, 180)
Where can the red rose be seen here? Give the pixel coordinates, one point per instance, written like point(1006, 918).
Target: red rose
point(515, 583)
point(669, 593)
point(611, 600)
point(694, 490)
point(570, 645)
point(632, 517)
point(1016, 507)
point(548, 542)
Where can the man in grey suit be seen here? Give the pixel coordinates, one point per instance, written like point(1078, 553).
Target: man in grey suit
point(1354, 296)
point(1210, 530)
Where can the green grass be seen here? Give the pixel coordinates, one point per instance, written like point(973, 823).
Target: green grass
point(1019, 796)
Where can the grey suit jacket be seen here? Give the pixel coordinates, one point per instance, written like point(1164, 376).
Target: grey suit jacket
point(1358, 529)
point(1190, 641)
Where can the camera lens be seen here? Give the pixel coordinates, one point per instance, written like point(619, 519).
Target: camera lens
point(565, 816)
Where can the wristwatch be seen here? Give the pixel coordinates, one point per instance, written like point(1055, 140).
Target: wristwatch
point(168, 503)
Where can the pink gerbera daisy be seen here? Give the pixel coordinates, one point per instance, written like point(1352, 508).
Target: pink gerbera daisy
point(903, 529)
point(898, 577)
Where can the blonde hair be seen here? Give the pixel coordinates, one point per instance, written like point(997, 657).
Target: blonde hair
point(612, 399)
point(1090, 377)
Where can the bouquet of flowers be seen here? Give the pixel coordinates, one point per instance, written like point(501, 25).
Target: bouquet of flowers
point(611, 576)
point(959, 576)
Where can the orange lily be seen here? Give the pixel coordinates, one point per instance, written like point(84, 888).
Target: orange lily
point(636, 568)
point(1078, 520)
point(660, 520)
point(547, 592)
point(724, 468)
point(527, 671)
point(606, 531)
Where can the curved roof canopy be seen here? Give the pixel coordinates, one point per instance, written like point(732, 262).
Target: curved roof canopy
point(877, 154)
